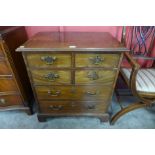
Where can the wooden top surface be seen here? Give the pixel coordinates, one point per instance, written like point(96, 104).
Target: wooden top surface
point(72, 41)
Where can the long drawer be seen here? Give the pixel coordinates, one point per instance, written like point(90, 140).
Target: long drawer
point(59, 107)
point(74, 92)
point(10, 100)
point(49, 60)
point(97, 60)
point(51, 77)
point(8, 85)
point(95, 76)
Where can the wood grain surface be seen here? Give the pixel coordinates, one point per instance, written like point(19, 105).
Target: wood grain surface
point(72, 73)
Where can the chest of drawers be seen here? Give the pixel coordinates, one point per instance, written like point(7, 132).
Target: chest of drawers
point(72, 73)
point(15, 89)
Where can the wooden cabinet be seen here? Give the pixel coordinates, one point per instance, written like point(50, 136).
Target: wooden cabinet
point(15, 89)
point(72, 73)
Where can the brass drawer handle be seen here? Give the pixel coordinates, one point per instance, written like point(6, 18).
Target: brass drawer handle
point(73, 90)
point(48, 59)
point(91, 93)
point(54, 93)
point(93, 75)
point(91, 106)
point(2, 101)
point(96, 60)
point(56, 107)
point(51, 76)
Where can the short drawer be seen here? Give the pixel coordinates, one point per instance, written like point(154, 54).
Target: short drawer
point(49, 60)
point(4, 69)
point(8, 85)
point(50, 77)
point(97, 60)
point(10, 100)
point(95, 76)
point(71, 107)
point(74, 92)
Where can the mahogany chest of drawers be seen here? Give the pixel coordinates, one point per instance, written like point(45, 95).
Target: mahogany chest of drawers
point(72, 73)
point(15, 89)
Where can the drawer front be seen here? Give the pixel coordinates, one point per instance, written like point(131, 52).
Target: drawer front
point(1, 51)
point(70, 107)
point(74, 92)
point(4, 69)
point(10, 100)
point(7, 85)
point(50, 77)
point(49, 60)
point(54, 92)
point(97, 60)
point(95, 76)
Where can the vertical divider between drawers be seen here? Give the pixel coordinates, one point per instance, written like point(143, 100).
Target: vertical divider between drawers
point(73, 66)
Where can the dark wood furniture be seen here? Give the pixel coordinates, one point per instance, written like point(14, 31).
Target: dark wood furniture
point(141, 81)
point(15, 89)
point(139, 78)
point(73, 73)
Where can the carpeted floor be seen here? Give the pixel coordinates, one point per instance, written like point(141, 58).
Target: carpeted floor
point(141, 118)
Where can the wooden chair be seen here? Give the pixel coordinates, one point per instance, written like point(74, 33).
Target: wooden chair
point(141, 81)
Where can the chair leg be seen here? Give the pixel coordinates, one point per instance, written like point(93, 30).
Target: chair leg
point(117, 95)
point(125, 110)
